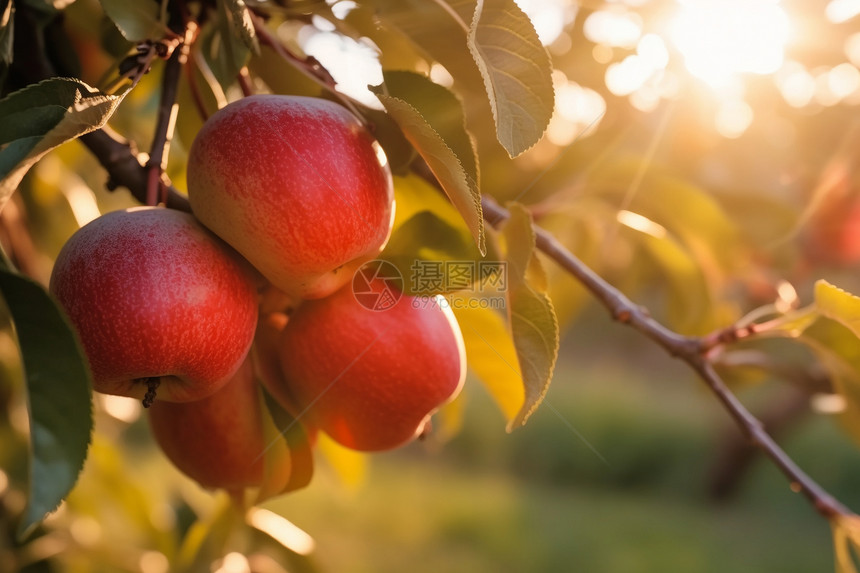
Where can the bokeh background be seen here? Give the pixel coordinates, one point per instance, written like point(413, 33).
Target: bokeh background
point(702, 156)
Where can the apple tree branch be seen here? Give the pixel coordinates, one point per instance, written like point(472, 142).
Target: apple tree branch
point(689, 349)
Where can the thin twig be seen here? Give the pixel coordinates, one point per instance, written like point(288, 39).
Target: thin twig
point(167, 110)
point(194, 88)
point(119, 159)
point(17, 242)
point(685, 348)
point(735, 455)
point(244, 79)
point(453, 14)
point(308, 66)
point(116, 155)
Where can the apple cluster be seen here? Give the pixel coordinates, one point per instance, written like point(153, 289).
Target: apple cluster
point(196, 314)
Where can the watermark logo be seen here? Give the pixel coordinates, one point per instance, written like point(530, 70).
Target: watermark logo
point(450, 276)
point(377, 285)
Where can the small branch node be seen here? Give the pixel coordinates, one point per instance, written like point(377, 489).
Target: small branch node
point(623, 315)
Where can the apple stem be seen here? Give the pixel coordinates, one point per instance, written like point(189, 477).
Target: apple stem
point(152, 385)
point(426, 430)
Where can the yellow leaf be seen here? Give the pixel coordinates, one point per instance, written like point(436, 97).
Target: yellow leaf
point(277, 465)
point(288, 462)
point(846, 540)
point(431, 118)
point(840, 305)
point(448, 420)
point(534, 326)
point(838, 351)
point(349, 465)
point(492, 357)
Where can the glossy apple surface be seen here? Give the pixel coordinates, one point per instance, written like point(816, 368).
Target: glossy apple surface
point(371, 379)
point(153, 294)
point(295, 184)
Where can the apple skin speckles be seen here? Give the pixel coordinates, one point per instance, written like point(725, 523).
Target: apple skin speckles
point(153, 294)
point(297, 186)
point(371, 379)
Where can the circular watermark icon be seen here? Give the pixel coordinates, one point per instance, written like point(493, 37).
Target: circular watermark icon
point(377, 285)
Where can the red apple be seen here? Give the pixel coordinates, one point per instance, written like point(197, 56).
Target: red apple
point(217, 441)
point(156, 298)
point(221, 440)
point(295, 184)
point(371, 379)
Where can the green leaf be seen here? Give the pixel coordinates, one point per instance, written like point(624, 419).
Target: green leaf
point(437, 31)
point(240, 20)
point(426, 242)
point(431, 118)
point(535, 332)
point(31, 122)
point(225, 53)
point(442, 109)
point(288, 457)
point(414, 194)
point(27, 112)
point(37, 126)
point(138, 20)
point(534, 325)
point(428, 232)
point(492, 357)
point(112, 41)
point(208, 537)
point(277, 461)
point(7, 31)
point(839, 305)
point(516, 70)
point(836, 343)
point(59, 394)
point(398, 150)
point(838, 351)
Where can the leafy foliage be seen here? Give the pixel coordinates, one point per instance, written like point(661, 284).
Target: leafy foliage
point(288, 459)
point(533, 322)
point(429, 116)
point(137, 21)
point(493, 358)
point(839, 305)
point(846, 540)
point(58, 390)
point(427, 228)
point(43, 116)
point(243, 27)
point(516, 72)
point(458, 78)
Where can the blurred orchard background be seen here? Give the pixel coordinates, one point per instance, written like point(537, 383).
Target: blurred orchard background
point(702, 155)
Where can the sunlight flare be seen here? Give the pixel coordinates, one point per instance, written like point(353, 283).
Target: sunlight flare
point(721, 39)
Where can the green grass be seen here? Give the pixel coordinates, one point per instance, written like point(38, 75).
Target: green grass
point(426, 517)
